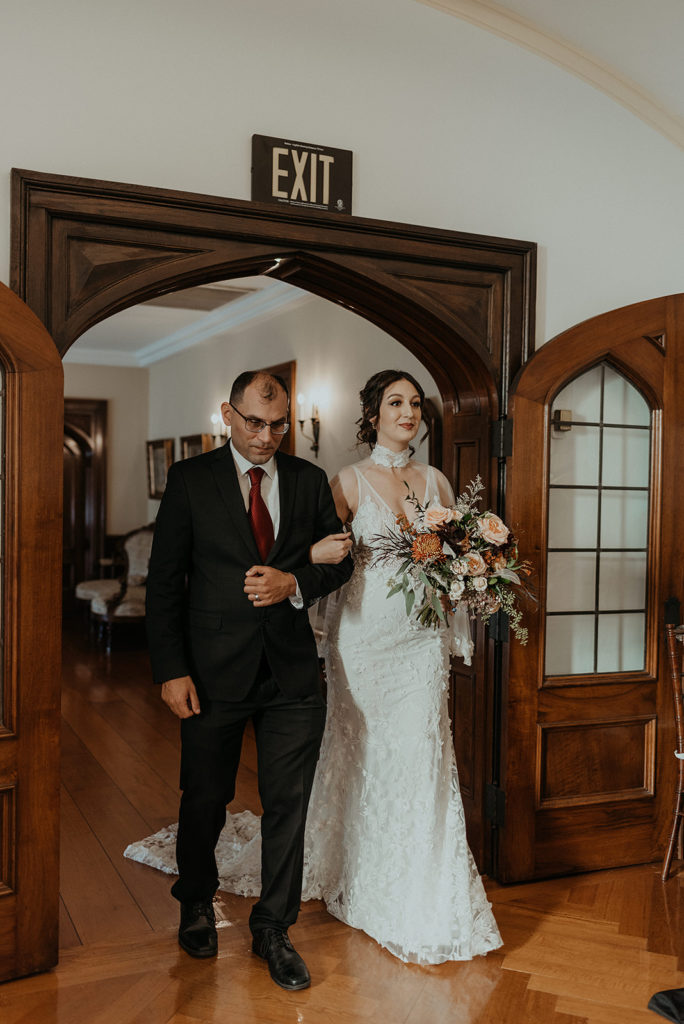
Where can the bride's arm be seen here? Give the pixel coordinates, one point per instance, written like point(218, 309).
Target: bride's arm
point(446, 491)
point(333, 548)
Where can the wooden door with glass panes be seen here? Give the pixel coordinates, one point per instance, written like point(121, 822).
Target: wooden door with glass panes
point(595, 488)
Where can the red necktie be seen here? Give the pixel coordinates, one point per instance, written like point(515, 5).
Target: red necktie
point(259, 516)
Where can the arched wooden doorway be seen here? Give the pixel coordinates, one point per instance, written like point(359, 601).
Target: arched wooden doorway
point(462, 304)
point(595, 493)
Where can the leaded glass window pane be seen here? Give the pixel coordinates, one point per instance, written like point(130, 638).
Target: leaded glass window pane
point(576, 462)
point(626, 457)
point(599, 479)
point(571, 581)
point(569, 644)
point(621, 640)
point(624, 519)
point(572, 517)
point(622, 403)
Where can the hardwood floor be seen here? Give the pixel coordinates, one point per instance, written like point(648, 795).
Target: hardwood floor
point(589, 949)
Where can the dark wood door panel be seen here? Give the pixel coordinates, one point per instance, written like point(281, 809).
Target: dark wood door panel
point(617, 835)
point(29, 750)
point(8, 835)
point(584, 762)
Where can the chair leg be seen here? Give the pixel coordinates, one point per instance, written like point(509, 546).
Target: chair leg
point(674, 836)
point(108, 638)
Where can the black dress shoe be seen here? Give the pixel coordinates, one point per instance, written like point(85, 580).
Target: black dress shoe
point(197, 932)
point(284, 962)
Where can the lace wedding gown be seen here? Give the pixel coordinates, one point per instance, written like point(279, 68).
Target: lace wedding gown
point(386, 845)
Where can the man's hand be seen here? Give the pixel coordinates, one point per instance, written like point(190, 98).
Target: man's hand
point(181, 696)
point(265, 585)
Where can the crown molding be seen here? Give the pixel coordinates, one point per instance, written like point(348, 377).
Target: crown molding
point(252, 308)
point(101, 357)
point(516, 29)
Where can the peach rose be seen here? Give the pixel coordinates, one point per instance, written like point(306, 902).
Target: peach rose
point(492, 529)
point(476, 564)
point(436, 516)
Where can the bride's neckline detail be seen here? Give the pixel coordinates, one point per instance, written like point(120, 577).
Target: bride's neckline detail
point(386, 457)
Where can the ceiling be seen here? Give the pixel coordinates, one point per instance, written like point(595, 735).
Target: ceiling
point(157, 329)
point(642, 40)
point(629, 49)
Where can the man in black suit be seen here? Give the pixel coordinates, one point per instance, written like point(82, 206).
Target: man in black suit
point(228, 587)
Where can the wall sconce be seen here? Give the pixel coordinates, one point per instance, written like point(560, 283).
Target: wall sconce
point(315, 423)
point(219, 428)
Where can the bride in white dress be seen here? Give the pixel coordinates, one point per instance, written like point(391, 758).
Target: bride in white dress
point(386, 844)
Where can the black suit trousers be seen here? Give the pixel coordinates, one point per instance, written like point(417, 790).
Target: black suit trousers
point(288, 735)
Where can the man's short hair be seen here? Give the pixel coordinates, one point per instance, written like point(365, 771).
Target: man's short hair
point(267, 385)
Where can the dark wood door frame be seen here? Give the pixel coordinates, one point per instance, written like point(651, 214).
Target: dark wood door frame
point(85, 420)
point(463, 304)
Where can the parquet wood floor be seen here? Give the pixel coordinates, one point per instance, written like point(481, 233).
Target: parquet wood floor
point(589, 949)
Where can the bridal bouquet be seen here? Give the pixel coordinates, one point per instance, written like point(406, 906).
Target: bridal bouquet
point(455, 556)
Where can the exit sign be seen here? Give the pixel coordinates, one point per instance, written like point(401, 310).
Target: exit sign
point(301, 174)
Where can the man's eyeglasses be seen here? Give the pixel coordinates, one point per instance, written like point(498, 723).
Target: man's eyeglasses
point(255, 426)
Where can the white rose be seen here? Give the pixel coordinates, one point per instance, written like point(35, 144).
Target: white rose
point(476, 565)
point(480, 583)
point(456, 590)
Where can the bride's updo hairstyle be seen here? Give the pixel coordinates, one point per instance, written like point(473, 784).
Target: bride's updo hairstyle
point(371, 397)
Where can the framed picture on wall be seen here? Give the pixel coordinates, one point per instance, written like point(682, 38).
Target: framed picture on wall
point(288, 371)
point(160, 455)
point(195, 444)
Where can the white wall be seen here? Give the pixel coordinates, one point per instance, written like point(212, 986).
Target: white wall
point(335, 350)
point(450, 126)
point(126, 393)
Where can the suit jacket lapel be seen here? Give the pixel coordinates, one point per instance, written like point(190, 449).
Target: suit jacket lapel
point(225, 475)
point(287, 491)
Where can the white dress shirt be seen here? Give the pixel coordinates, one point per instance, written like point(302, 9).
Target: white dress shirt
point(269, 484)
point(269, 492)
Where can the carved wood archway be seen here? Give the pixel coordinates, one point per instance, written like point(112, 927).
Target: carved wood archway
point(462, 304)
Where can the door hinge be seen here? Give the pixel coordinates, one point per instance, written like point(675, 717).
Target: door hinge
point(495, 805)
point(502, 438)
point(498, 626)
point(673, 611)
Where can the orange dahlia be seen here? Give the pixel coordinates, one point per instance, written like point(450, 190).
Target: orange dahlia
point(427, 547)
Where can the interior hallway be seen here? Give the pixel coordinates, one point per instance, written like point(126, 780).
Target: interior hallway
point(590, 948)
